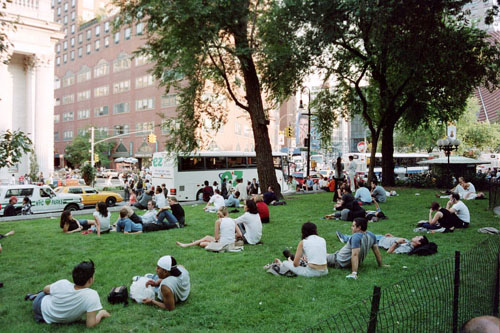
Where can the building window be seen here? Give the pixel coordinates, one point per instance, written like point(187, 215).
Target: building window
point(80, 38)
point(117, 37)
point(66, 7)
point(57, 118)
point(65, 32)
point(80, 52)
point(57, 83)
point(121, 129)
point(139, 28)
point(59, 11)
point(53, 3)
point(102, 131)
point(106, 41)
point(127, 33)
point(106, 26)
point(67, 135)
point(101, 91)
point(89, 34)
point(84, 114)
point(121, 108)
point(141, 60)
point(97, 30)
point(88, 48)
point(65, 19)
point(58, 47)
point(73, 16)
point(147, 127)
point(101, 69)
point(58, 61)
point(72, 28)
point(65, 45)
point(83, 131)
point(83, 75)
point(65, 58)
point(68, 116)
point(144, 104)
point(144, 81)
point(72, 42)
point(72, 55)
point(120, 87)
point(73, 3)
point(57, 102)
point(168, 100)
point(56, 136)
point(97, 45)
point(101, 111)
point(83, 95)
point(123, 62)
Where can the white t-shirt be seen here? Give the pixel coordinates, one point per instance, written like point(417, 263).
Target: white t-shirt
point(462, 211)
point(105, 221)
point(217, 200)
point(227, 231)
point(253, 227)
point(315, 249)
point(240, 187)
point(179, 285)
point(65, 304)
point(160, 200)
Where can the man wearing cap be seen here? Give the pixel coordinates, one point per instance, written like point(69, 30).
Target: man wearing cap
point(173, 285)
point(10, 210)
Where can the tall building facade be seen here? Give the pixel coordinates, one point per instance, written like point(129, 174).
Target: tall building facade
point(100, 83)
point(26, 86)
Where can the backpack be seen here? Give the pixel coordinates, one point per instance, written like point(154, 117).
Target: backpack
point(425, 250)
point(118, 295)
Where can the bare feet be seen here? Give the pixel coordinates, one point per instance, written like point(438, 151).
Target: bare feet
point(181, 244)
point(9, 233)
point(438, 196)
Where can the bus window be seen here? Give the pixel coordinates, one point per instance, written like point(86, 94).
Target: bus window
point(191, 163)
point(252, 162)
point(277, 162)
point(215, 162)
point(236, 162)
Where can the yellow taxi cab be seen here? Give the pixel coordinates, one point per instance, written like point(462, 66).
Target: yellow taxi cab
point(90, 195)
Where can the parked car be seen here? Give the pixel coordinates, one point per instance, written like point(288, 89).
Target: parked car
point(43, 198)
point(110, 172)
point(91, 196)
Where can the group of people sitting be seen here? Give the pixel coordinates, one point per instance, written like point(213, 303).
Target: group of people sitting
point(465, 190)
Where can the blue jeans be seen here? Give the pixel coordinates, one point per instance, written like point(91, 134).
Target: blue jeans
point(233, 202)
point(37, 307)
point(166, 214)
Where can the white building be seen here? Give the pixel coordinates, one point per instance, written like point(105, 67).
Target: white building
point(27, 80)
point(477, 10)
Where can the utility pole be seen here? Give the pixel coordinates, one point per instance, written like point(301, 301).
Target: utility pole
point(92, 162)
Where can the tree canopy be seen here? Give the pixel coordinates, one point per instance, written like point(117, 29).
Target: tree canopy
point(412, 62)
point(78, 152)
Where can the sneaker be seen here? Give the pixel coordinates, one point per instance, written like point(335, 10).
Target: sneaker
point(340, 236)
point(353, 276)
point(420, 229)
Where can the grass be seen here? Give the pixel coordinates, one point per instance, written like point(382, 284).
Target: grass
point(229, 292)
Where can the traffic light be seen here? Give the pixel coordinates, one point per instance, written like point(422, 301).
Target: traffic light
point(152, 138)
point(96, 157)
point(289, 132)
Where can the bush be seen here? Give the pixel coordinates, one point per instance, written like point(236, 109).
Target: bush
point(88, 174)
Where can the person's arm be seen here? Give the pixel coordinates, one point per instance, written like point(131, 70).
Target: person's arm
point(376, 251)
point(394, 246)
point(298, 254)
point(449, 204)
point(217, 230)
point(435, 219)
point(94, 317)
point(355, 260)
point(46, 289)
point(168, 299)
point(98, 225)
point(238, 232)
point(153, 283)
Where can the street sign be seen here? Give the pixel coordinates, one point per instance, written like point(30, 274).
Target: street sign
point(362, 147)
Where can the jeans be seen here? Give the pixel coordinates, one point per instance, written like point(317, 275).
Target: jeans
point(166, 214)
point(37, 307)
point(232, 203)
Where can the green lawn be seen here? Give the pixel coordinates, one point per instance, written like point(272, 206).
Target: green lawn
point(229, 292)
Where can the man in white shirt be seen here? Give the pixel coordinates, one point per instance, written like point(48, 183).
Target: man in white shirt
point(65, 302)
point(460, 210)
point(217, 200)
point(160, 199)
point(351, 172)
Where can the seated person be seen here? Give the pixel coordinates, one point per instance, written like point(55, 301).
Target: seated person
point(26, 210)
point(323, 184)
point(125, 225)
point(226, 232)
point(142, 201)
point(378, 192)
point(10, 210)
point(64, 302)
point(153, 220)
point(311, 251)
point(173, 285)
point(217, 200)
point(308, 184)
point(250, 224)
point(363, 195)
point(348, 208)
point(466, 190)
point(271, 199)
point(177, 211)
point(392, 244)
point(132, 197)
point(70, 225)
point(233, 199)
point(460, 210)
point(331, 185)
point(356, 249)
point(102, 220)
point(262, 208)
point(160, 200)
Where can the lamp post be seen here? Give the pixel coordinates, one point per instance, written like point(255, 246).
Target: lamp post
point(448, 145)
point(308, 114)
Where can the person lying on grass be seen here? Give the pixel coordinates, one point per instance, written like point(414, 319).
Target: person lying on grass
point(356, 249)
point(66, 302)
point(154, 220)
point(125, 225)
point(70, 225)
point(173, 285)
point(226, 232)
point(311, 251)
point(391, 243)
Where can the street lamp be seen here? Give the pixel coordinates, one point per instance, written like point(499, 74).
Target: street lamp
point(308, 114)
point(448, 145)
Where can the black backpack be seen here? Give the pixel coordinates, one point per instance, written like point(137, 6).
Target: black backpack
point(425, 250)
point(118, 295)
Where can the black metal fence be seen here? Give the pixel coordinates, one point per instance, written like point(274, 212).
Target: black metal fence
point(438, 299)
point(494, 194)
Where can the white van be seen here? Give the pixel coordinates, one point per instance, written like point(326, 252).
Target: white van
point(43, 198)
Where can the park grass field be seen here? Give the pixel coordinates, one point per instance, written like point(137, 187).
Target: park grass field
point(230, 292)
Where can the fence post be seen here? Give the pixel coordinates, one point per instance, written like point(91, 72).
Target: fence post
point(456, 289)
point(497, 287)
point(372, 325)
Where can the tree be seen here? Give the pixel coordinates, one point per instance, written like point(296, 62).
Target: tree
point(13, 145)
point(216, 47)
point(78, 152)
point(423, 137)
point(88, 173)
point(34, 168)
point(394, 61)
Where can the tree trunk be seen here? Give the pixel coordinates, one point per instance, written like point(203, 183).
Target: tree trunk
point(371, 167)
point(387, 155)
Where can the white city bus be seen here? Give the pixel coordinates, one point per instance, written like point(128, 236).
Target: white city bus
point(184, 175)
point(404, 163)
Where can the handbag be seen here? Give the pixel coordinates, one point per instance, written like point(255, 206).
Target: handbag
point(118, 295)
